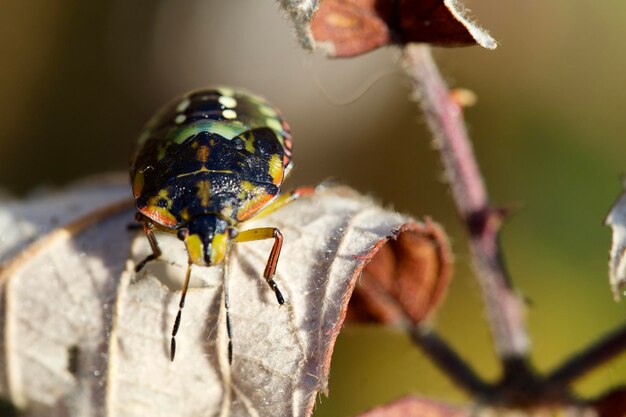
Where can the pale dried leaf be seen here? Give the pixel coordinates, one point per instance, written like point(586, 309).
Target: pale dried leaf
point(300, 12)
point(617, 261)
point(461, 14)
point(22, 221)
point(83, 335)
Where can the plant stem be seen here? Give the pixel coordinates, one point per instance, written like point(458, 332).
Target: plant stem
point(593, 356)
point(449, 362)
point(444, 116)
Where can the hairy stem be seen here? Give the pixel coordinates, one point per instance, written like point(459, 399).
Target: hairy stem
point(444, 116)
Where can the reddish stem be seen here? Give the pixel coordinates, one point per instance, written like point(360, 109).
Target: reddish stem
point(505, 310)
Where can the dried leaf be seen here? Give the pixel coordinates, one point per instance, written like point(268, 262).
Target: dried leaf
point(21, 222)
point(617, 261)
point(300, 12)
point(83, 335)
point(416, 407)
point(345, 28)
point(407, 278)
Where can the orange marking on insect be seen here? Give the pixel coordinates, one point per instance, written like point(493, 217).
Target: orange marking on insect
point(138, 184)
point(160, 215)
point(253, 206)
point(202, 154)
point(288, 142)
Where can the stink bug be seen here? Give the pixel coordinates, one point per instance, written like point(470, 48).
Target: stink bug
point(204, 164)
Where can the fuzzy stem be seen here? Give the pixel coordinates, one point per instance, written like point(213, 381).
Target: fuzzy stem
point(444, 116)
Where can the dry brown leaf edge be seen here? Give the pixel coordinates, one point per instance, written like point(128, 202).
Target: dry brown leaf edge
point(346, 28)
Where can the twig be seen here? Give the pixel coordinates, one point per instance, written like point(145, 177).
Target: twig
point(449, 362)
point(505, 310)
point(592, 357)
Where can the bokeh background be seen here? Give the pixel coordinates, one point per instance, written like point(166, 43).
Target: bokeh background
point(79, 79)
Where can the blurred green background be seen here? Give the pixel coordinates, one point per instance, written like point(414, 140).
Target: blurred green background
point(79, 79)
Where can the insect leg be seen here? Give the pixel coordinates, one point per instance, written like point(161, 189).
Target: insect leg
point(131, 227)
point(156, 251)
point(270, 268)
point(285, 199)
point(181, 304)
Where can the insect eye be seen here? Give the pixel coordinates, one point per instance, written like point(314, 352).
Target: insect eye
point(232, 233)
point(182, 234)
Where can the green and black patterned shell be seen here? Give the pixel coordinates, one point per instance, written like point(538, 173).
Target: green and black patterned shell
point(214, 151)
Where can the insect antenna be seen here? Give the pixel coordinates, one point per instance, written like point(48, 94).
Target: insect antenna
point(228, 325)
point(181, 304)
point(229, 331)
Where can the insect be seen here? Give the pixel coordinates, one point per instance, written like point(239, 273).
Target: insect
point(204, 164)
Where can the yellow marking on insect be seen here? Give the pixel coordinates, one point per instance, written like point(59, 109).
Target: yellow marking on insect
point(205, 169)
point(274, 124)
point(246, 187)
point(276, 169)
point(195, 249)
point(229, 114)
point(184, 214)
point(227, 101)
point(204, 192)
point(225, 91)
point(255, 202)
point(162, 150)
point(164, 194)
point(202, 154)
point(180, 119)
point(219, 245)
point(267, 111)
point(138, 184)
point(182, 106)
point(248, 137)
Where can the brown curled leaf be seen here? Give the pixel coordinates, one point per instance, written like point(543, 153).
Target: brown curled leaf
point(416, 407)
point(82, 334)
point(345, 28)
point(407, 277)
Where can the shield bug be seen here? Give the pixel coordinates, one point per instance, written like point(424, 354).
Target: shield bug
point(204, 164)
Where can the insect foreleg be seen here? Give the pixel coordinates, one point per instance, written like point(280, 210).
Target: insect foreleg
point(154, 245)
